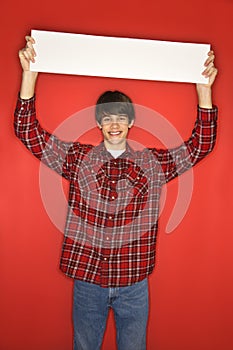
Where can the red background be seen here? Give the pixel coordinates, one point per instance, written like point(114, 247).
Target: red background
point(191, 289)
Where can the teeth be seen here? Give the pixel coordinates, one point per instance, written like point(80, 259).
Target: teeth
point(115, 133)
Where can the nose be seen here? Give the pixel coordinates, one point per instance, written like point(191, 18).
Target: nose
point(114, 123)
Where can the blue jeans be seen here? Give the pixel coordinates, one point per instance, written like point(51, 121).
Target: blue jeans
point(90, 310)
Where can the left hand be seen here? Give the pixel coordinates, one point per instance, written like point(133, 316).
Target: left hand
point(204, 91)
point(210, 70)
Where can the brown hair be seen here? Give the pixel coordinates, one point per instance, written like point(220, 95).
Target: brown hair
point(114, 102)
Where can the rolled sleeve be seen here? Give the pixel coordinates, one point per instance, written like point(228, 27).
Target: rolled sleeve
point(25, 114)
point(207, 114)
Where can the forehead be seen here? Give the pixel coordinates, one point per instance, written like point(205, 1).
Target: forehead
point(113, 108)
point(106, 114)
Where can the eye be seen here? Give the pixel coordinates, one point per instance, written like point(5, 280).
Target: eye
point(106, 120)
point(123, 119)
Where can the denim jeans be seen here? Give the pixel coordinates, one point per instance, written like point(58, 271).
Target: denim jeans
point(90, 310)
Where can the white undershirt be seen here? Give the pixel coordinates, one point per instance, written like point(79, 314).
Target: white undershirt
point(116, 153)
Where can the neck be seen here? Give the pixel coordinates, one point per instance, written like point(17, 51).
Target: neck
point(117, 147)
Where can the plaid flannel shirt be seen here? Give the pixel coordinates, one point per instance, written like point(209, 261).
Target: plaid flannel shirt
point(113, 205)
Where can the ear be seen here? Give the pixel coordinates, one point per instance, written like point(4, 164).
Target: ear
point(99, 125)
point(131, 124)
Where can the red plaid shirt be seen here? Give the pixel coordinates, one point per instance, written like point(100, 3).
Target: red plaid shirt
point(113, 206)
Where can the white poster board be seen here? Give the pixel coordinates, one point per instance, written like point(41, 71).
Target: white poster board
point(115, 57)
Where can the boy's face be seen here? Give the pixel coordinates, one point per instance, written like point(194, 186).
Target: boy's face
point(115, 130)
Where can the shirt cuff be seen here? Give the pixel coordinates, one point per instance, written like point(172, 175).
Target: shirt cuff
point(207, 114)
point(25, 106)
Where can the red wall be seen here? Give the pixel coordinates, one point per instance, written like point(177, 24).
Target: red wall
point(191, 289)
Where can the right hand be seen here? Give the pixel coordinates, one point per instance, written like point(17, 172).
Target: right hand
point(29, 78)
point(27, 54)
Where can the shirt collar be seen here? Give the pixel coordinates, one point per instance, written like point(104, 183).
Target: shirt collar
point(101, 150)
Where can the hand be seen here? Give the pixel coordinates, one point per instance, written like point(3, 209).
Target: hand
point(27, 54)
point(210, 70)
point(204, 91)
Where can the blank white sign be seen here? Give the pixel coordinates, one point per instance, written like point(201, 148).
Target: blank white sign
point(115, 57)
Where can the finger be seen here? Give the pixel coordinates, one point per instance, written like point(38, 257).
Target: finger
point(213, 71)
point(212, 74)
point(27, 54)
point(29, 44)
point(30, 39)
point(30, 48)
point(210, 58)
point(208, 68)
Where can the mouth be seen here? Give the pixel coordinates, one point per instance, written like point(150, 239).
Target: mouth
point(114, 133)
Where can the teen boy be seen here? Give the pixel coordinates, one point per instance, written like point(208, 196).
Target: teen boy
point(110, 234)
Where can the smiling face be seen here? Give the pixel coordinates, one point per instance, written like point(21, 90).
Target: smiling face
point(114, 115)
point(115, 129)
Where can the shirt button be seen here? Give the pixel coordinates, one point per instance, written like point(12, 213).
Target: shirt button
point(113, 181)
point(105, 259)
point(113, 197)
point(107, 238)
point(110, 217)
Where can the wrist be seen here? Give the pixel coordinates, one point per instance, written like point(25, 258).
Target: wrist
point(204, 94)
point(28, 84)
point(29, 76)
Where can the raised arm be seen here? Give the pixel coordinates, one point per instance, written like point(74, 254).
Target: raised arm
point(176, 161)
point(55, 153)
point(27, 55)
point(204, 91)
